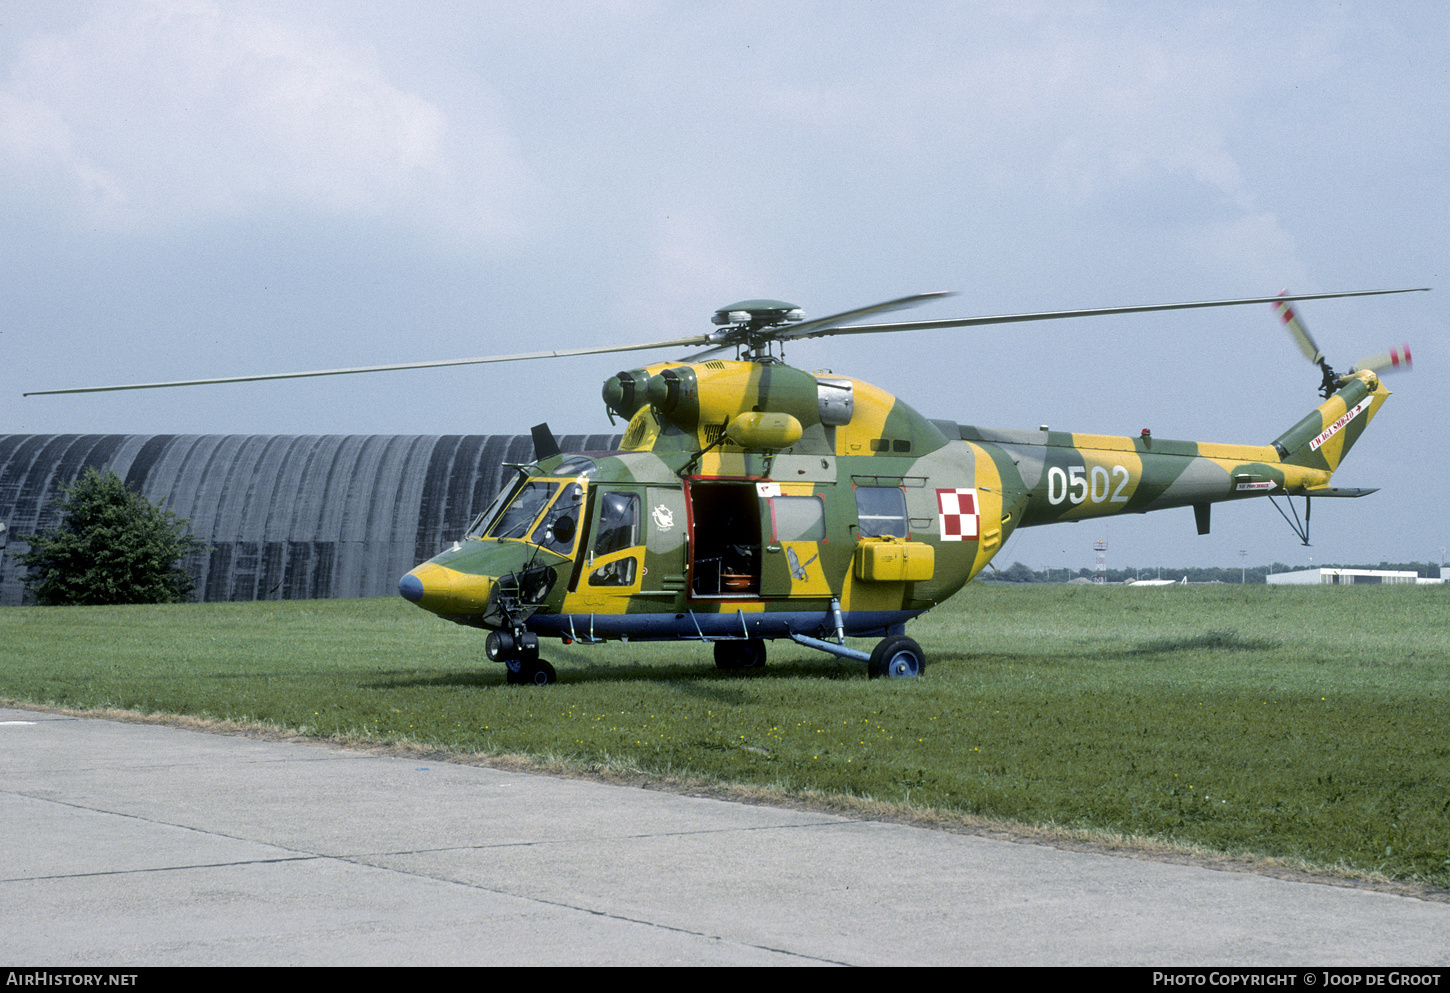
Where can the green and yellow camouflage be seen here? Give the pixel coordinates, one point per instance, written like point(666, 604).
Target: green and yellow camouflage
point(750, 500)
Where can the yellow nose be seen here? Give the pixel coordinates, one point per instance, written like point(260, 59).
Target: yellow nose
point(446, 591)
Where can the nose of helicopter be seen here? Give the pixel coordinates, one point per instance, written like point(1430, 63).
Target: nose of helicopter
point(445, 591)
point(410, 588)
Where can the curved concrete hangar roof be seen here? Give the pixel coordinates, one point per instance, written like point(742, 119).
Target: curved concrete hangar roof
point(286, 517)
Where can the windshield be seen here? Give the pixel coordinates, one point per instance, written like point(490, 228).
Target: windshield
point(480, 523)
point(522, 507)
point(515, 510)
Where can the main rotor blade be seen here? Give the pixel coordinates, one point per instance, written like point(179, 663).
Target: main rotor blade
point(559, 354)
point(1054, 315)
point(822, 325)
point(709, 352)
point(811, 329)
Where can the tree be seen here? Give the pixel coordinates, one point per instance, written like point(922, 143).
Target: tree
point(111, 546)
point(1017, 572)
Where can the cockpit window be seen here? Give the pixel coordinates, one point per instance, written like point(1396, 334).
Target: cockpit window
point(618, 525)
point(560, 525)
point(482, 521)
point(516, 510)
point(575, 465)
point(520, 512)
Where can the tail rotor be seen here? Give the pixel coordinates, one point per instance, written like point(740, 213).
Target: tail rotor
point(1394, 360)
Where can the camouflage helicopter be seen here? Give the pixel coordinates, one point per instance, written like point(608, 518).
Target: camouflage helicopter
point(751, 501)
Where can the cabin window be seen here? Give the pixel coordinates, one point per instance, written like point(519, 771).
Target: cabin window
point(881, 511)
point(798, 518)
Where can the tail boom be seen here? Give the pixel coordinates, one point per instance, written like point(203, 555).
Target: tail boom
point(1051, 476)
point(1323, 437)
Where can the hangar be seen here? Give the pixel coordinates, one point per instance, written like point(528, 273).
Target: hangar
point(1329, 576)
point(284, 517)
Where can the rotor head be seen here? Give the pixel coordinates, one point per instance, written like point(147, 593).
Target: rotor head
point(758, 314)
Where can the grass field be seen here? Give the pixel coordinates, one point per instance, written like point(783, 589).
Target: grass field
point(1302, 723)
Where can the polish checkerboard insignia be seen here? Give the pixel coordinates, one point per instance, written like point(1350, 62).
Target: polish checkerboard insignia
point(958, 511)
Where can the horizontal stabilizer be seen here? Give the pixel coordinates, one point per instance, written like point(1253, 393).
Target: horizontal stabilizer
point(1342, 491)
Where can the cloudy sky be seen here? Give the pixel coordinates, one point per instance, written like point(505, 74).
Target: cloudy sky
point(192, 189)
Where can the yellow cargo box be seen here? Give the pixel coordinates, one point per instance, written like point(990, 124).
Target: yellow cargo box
point(894, 561)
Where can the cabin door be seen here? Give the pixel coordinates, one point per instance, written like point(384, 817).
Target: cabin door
point(725, 539)
point(793, 524)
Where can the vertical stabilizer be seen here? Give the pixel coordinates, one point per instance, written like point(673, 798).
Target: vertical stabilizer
point(1325, 436)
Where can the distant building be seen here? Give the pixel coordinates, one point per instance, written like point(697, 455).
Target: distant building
point(1342, 577)
point(283, 517)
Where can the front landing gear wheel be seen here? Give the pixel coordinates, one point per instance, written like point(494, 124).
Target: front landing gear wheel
point(897, 657)
point(740, 654)
point(530, 672)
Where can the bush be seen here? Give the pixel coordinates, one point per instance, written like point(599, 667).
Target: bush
point(111, 546)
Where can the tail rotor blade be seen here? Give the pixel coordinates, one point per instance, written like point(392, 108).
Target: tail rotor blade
point(1298, 331)
point(1395, 360)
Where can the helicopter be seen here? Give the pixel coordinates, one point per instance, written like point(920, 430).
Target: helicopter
point(750, 501)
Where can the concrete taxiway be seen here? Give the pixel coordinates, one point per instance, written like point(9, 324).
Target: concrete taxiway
point(135, 844)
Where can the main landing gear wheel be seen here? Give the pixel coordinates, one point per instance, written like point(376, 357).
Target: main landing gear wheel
point(530, 672)
point(897, 657)
point(740, 654)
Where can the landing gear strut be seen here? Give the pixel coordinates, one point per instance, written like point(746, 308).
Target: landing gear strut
point(519, 652)
point(895, 656)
